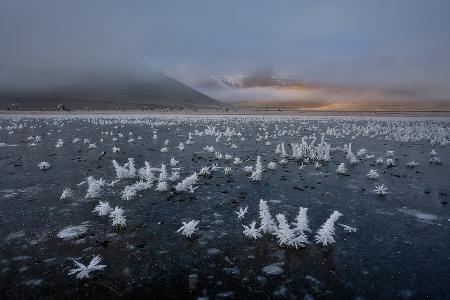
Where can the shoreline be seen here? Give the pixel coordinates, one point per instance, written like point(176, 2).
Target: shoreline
point(234, 113)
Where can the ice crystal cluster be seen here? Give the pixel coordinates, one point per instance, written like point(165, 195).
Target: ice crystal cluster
point(291, 234)
point(128, 170)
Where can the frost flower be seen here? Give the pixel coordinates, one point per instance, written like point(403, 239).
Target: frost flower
point(286, 236)
point(272, 165)
point(102, 208)
point(267, 222)
point(373, 174)
point(301, 221)
point(412, 164)
point(325, 234)
point(341, 169)
point(227, 171)
point(241, 213)
point(162, 180)
point(251, 231)
point(83, 271)
point(257, 173)
point(188, 184)
point(66, 194)
point(43, 165)
point(128, 170)
point(380, 190)
point(94, 187)
point(117, 217)
point(188, 228)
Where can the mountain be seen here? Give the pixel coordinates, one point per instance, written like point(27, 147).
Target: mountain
point(98, 92)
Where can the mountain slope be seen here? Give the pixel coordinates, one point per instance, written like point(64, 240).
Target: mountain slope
point(113, 92)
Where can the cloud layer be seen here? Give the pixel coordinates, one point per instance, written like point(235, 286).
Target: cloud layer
point(385, 45)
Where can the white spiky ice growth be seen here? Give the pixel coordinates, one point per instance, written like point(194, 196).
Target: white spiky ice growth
point(301, 225)
point(82, 271)
point(241, 213)
point(162, 179)
point(227, 171)
point(257, 173)
point(66, 193)
point(373, 174)
point(128, 170)
point(146, 172)
point(95, 187)
point(412, 164)
point(102, 208)
point(117, 217)
point(188, 184)
point(252, 231)
point(188, 228)
point(266, 219)
point(325, 235)
point(174, 162)
point(286, 235)
point(59, 143)
point(380, 190)
point(341, 169)
point(43, 165)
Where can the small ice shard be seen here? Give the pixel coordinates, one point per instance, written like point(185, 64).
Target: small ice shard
point(348, 228)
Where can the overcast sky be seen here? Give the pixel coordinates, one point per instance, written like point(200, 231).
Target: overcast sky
point(393, 43)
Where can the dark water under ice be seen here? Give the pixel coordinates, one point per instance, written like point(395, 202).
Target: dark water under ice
point(401, 248)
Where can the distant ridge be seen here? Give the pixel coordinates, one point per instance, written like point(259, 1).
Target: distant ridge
point(111, 93)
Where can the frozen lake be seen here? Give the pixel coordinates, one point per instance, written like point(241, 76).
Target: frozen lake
point(400, 248)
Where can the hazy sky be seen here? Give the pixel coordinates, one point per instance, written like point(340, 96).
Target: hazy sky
point(391, 44)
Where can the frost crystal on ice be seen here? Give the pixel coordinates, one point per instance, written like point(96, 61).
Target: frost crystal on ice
point(188, 228)
point(83, 271)
point(126, 171)
point(251, 231)
point(162, 180)
point(43, 165)
point(66, 194)
point(241, 213)
point(102, 208)
point(71, 232)
point(174, 162)
point(373, 174)
point(227, 171)
point(286, 236)
point(325, 234)
point(341, 169)
point(348, 228)
point(267, 222)
point(94, 187)
point(117, 217)
point(301, 221)
point(256, 174)
point(412, 164)
point(188, 184)
point(380, 190)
